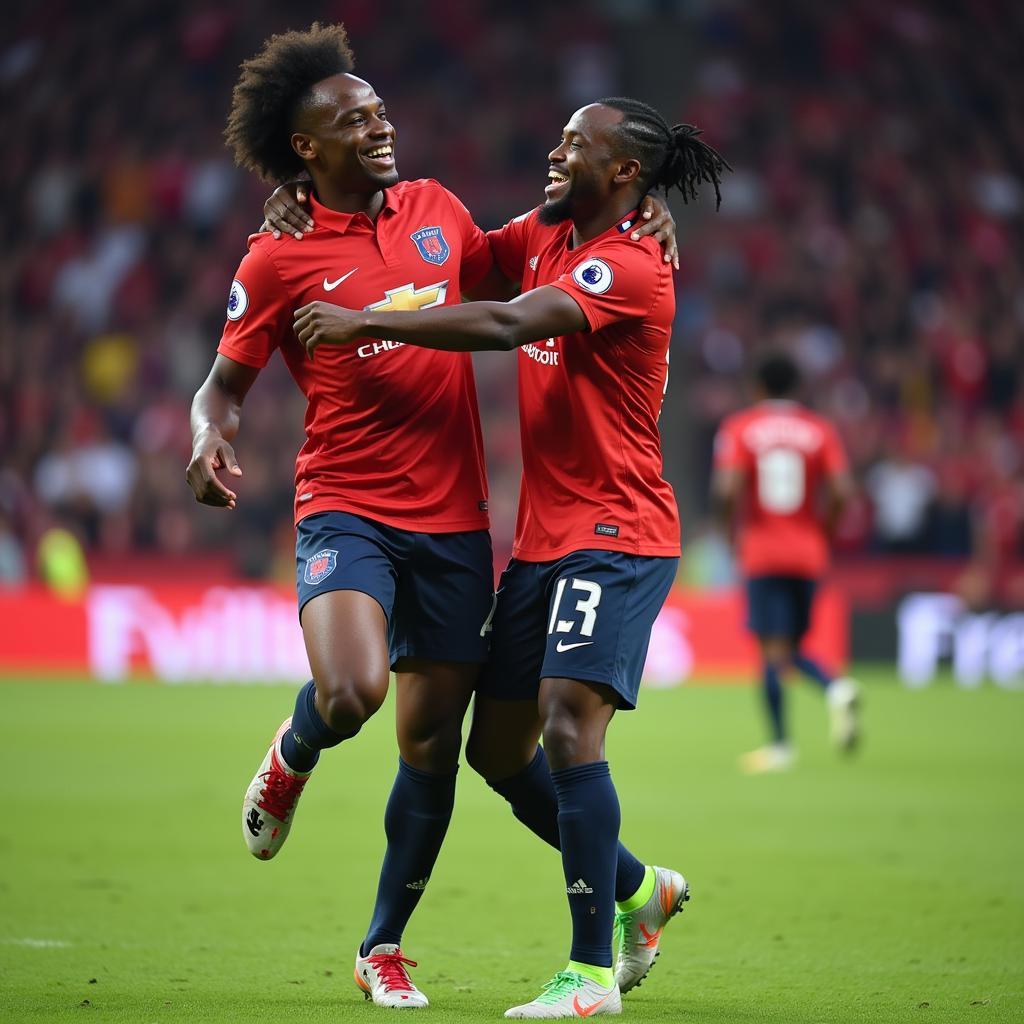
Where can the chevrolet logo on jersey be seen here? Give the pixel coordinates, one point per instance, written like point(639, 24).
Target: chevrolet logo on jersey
point(405, 299)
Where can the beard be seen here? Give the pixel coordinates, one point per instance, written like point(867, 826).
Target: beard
point(387, 179)
point(557, 212)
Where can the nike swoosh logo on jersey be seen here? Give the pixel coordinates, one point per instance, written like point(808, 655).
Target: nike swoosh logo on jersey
point(562, 646)
point(329, 286)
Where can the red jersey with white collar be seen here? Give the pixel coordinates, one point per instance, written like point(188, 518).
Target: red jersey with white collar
point(784, 452)
point(392, 431)
point(589, 402)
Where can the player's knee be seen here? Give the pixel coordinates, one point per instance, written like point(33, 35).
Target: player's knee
point(432, 748)
point(563, 738)
point(480, 757)
point(492, 761)
point(777, 652)
point(346, 703)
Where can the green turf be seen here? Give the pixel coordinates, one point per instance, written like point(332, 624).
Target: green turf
point(890, 888)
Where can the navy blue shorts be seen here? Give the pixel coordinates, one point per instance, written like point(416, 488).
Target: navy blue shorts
point(780, 605)
point(586, 616)
point(436, 589)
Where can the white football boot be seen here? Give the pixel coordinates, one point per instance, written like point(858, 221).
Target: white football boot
point(383, 978)
point(638, 932)
point(776, 757)
point(843, 696)
point(269, 805)
point(569, 994)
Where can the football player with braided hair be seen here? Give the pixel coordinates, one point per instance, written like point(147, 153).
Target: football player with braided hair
point(597, 535)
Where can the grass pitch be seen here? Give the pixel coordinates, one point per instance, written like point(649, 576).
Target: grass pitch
point(886, 888)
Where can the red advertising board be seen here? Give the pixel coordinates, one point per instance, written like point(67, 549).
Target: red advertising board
point(183, 632)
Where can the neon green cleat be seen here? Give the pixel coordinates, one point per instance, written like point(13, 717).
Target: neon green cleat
point(638, 932)
point(569, 994)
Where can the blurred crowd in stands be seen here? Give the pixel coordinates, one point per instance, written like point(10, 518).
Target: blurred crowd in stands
point(872, 227)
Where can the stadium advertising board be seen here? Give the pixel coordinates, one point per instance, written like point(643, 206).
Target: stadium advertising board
point(179, 633)
point(937, 629)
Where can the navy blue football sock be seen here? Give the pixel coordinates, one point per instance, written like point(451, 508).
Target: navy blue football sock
point(532, 796)
point(309, 734)
point(588, 824)
point(813, 670)
point(774, 701)
point(415, 822)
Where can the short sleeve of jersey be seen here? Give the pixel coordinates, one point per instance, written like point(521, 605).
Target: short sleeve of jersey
point(476, 252)
point(729, 453)
point(259, 312)
point(616, 281)
point(833, 452)
point(509, 246)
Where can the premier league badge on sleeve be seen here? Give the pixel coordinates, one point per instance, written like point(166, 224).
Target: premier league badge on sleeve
point(594, 275)
point(432, 245)
point(238, 300)
point(320, 566)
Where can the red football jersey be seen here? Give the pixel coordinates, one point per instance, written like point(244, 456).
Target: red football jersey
point(589, 402)
point(392, 431)
point(784, 452)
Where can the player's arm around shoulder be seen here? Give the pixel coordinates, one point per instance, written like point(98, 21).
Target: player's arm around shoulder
point(471, 327)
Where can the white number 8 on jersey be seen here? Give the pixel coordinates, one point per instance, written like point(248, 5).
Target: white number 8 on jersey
point(780, 480)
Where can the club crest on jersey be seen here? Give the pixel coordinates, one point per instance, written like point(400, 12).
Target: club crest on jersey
point(594, 275)
point(238, 300)
point(432, 245)
point(320, 566)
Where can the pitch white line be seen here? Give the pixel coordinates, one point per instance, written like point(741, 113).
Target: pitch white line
point(36, 943)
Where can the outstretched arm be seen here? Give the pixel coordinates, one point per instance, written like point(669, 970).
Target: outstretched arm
point(216, 411)
point(472, 327)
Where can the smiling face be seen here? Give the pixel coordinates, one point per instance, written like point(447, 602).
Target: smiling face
point(583, 173)
point(343, 134)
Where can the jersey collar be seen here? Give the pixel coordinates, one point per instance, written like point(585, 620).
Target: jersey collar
point(618, 228)
point(334, 220)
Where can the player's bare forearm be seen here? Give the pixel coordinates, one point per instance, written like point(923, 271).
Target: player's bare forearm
point(215, 416)
point(214, 411)
point(472, 327)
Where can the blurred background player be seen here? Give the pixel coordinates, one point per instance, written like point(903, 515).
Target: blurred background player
point(772, 461)
point(597, 535)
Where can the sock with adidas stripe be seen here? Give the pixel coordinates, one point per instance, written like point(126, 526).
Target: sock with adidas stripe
point(532, 797)
point(588, 829)
point(415, 822)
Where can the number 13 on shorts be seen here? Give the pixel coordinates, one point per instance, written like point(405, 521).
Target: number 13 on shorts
point(586, 606)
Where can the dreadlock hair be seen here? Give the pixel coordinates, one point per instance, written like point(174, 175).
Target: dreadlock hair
point(273, 87)
point(777, 374)
point(669, 157)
